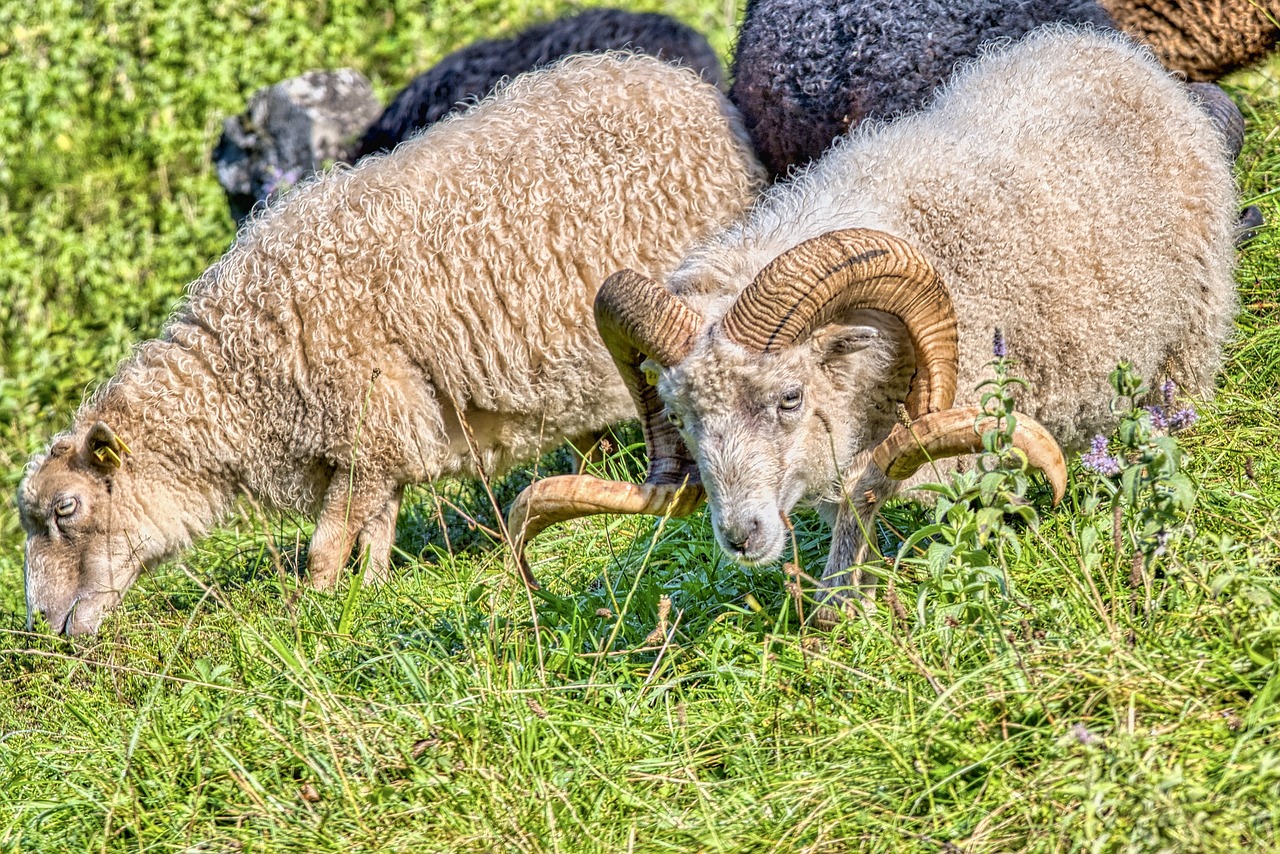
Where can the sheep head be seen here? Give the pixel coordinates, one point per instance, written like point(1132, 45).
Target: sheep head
point(83, 546)
point(803, 375)
point(788, 397)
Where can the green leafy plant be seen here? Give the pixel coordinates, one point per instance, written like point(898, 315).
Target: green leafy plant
point(1139, 471)
point(964, 570)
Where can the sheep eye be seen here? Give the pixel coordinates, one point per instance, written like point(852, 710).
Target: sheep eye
point(676, 421)
point(65, 507)
point(791, 400)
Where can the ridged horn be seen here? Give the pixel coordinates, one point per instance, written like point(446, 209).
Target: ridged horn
point(638, 319)
point(559, 499)
point(957, 431)
point(825, 277)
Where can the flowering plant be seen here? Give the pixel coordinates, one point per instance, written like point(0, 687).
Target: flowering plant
point(1140, 468)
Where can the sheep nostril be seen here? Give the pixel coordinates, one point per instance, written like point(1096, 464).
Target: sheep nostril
point(740, 539)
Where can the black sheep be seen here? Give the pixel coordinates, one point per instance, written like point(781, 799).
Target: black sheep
point(471, 72)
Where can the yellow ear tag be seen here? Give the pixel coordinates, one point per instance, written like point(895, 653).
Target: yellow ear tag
point(105, 451)
point(651, 376)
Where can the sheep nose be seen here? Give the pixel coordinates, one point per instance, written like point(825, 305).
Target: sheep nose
point(739, 537)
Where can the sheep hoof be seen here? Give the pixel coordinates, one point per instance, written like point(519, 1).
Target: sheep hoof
point(825, 618)
point(1250, 221)
point(838, 609)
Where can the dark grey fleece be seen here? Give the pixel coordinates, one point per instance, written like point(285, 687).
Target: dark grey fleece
point(469, 73)
point(805, 71)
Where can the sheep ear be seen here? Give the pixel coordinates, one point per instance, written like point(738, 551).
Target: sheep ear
point(836, 340)
point(105, 449)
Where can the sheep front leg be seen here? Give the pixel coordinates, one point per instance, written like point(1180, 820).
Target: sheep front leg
point(844, 584)
point(587, 448)
point(348, 508)
point(850, 522)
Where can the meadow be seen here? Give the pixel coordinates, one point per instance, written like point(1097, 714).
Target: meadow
point(1069, 685)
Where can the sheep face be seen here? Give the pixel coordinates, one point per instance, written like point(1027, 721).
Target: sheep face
point(772, 430)
point(83, 546)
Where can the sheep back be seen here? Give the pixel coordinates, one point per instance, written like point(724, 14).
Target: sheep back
point(472, 71)
point(1203, 39)
point(1068, 191)
point(805, 71)
point(370, 308)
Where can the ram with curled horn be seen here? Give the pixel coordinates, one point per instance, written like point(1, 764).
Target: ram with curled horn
point(1063, 189)
point(808, 290)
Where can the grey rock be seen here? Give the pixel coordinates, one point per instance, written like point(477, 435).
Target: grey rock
point(288, 132)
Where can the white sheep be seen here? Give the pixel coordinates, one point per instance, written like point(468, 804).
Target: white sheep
point(423, 314)
point(1064, 189)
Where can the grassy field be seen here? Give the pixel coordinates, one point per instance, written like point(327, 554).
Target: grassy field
point(1051, 694)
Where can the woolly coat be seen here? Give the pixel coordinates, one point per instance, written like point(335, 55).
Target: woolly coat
point(1203, 39)
point(472, 71)
point(1067, 190)
point(805, 71)
point(422, 314)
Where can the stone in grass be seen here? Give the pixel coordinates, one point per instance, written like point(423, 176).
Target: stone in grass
point(289, 131)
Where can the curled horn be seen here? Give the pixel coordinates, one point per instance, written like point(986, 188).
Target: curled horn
point(825, 277)
point(958, 431)
point(638, 320)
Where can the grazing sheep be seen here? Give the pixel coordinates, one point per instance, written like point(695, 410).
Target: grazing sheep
point(470, 72)
point(805, 71)
point(422, 314)
point(1203, 39)
point(1065, 190)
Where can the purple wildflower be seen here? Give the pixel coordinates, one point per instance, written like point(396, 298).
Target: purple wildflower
point(1162, 541)
point(282, 180)
point(1081, 734)
point(1158, 421)
point(998, 346)
point(1167, 390)
point(1182, 419)
point(1098, 460)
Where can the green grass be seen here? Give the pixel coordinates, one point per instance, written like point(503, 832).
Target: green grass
point(225, 709)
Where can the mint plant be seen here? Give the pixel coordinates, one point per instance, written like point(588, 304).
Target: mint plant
point(965, 577)
point(1139, 470)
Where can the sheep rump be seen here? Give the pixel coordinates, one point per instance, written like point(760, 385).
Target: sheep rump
point(422, 314)
point(1203, 39)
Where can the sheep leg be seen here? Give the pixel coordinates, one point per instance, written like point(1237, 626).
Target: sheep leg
point(348, 508)
point(842, 576)
point(375, 539)
point(844, 586)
